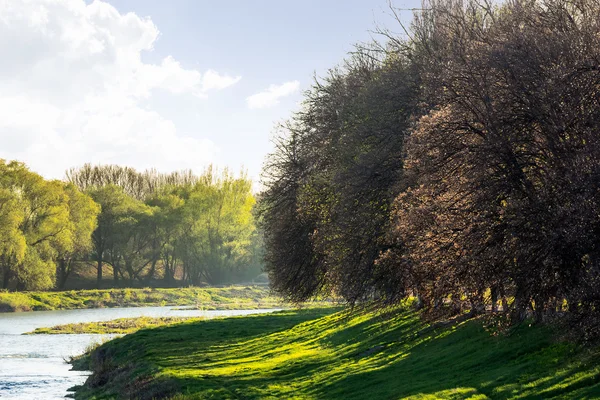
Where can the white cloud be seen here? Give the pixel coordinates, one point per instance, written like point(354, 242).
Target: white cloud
point(270, 97)
point(212, 80)
point(73, 86)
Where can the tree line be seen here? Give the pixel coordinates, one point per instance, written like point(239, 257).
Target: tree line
point(147, 228)
point(458, 163)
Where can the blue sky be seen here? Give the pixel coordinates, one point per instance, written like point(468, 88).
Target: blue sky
point(174, 115)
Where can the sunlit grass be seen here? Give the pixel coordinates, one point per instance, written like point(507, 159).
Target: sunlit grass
point(223, 298)
point(322, 354)
point(119, 326)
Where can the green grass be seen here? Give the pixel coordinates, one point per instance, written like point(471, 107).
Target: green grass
point(119, 326)
point(323, 354)
point(232, 297)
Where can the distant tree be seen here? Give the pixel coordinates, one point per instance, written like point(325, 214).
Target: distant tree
point(44, 228)
point(167, 226)
point(115, 212)
point(218, 226)
point(12, 239)
point(132, 251)
point(83, 213)
point(139, 185)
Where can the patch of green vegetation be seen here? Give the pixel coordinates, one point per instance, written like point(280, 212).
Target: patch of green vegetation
point(232, 297)
point(119, 326)
point(324, 354)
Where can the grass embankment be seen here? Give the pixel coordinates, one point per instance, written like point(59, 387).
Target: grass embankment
point(226, 298)
point(119, 326)
point(322, 354)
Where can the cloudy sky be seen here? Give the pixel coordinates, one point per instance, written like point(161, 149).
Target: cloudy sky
point(164, 84)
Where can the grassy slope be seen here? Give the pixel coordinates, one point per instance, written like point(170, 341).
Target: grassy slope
point(317, 354)
point(233, 297)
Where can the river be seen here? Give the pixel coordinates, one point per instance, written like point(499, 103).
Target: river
point(33, 366)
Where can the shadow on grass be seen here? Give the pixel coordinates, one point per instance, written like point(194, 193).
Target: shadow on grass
point(466, 362)
point(313, 354)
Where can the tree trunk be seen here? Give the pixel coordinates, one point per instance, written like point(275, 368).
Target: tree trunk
point(99, 273)
point(418, 299)
point(6, 278)
point(150, 275)
point(130, 272)
point(116, 275)
point(520, 307)
point(477, 304)
point(494, 298)
point(169, 263)
point(539, 310)
point(503, 300)
point(61, 278)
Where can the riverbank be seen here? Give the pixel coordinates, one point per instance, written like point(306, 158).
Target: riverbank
point(33, 366)
point(321, 353)
point(223, 298)
point(119, 326)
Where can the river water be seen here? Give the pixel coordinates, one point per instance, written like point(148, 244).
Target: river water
point(32, 367)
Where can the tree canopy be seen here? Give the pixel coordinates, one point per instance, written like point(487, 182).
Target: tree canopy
point(147, 228)
point(458, 164)
point(44, 221)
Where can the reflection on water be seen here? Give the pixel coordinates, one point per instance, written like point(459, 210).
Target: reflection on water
point(33, 366)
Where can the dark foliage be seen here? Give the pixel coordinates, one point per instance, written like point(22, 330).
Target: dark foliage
point(461, 165)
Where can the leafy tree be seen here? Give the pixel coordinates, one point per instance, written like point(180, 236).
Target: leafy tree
point(12, 240)
point(168, 230)
point(115, 215)
point(132, 249)
point(218, 230)
point(41, 209)
point(83, 213)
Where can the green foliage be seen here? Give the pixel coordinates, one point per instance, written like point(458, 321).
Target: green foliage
point(83, 213)
point(201, 229)
point(12, 240)
point(42, 221)
point(318, 354)
point(142, 226)
point(219, 230)
point(10, 302)
point(37, 270)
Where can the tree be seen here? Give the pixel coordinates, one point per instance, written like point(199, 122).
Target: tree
point(41, 209)
point(83, 213)
point(295, 269)
point(168, 230)
point(482, 124)
point(115, 212)
point(132, 249)
point(12, 240)
point(139, 185)
point(343, 151)
point(218, 226)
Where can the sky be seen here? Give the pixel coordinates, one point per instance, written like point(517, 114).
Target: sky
point(168, 85)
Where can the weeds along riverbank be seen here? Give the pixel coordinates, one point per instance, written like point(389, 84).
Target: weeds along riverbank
point(329, 353)
point(231, 297)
